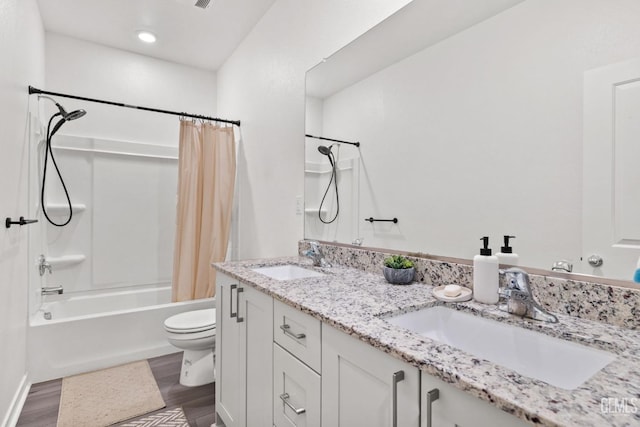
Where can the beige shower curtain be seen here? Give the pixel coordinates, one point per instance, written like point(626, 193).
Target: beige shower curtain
point(206, 174)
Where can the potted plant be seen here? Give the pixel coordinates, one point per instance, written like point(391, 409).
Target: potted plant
point(398, 270)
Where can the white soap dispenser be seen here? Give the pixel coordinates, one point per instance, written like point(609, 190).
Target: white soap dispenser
point(506, 254)
point(485, 275)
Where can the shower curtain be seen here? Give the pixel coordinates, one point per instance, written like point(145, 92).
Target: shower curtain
point(206, 174)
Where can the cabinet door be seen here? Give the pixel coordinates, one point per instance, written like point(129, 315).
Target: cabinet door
point(296, 391)
point(256, 312)
point(358, 384)
point(456, 408)
point(229, 363)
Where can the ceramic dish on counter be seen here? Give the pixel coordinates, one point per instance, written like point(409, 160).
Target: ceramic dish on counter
point(452, 293)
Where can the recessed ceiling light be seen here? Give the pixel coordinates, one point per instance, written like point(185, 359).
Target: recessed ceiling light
point(147, 36)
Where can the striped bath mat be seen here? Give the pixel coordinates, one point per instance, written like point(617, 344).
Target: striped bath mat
point(171, 418)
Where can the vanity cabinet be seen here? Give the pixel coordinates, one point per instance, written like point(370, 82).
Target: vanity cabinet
point(244, 354)
point(456, 408)
point(362, 386)
point(279, 367)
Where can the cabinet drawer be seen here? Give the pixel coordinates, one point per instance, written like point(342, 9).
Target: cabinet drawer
point(296, 392)
point(298, 333)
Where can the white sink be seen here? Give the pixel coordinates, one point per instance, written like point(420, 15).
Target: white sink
point(287, 272)
point(558, 362)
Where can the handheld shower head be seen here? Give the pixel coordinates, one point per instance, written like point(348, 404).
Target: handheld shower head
point(324, 150)
point(74, 115)
point(66, 116)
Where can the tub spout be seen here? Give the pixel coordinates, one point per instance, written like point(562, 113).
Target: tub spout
point(52, 290)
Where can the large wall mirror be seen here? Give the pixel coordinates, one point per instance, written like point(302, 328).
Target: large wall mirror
point(483, 119)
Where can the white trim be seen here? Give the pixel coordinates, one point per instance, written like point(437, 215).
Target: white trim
point(11, 419)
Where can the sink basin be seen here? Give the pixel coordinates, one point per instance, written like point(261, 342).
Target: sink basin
point(287, 272)
point(555, 361)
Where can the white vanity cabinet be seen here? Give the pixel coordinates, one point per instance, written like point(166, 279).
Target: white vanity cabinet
point(456, 408)
point(363, 386)
point(244, 354)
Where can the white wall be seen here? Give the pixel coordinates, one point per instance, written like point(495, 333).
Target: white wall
point(22, 59)
point(262, 84)
point(483, 131)
point(87, 69)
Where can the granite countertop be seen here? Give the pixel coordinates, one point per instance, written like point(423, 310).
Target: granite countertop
point(357, 302)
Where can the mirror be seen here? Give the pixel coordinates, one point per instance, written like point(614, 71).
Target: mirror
point(470, 118)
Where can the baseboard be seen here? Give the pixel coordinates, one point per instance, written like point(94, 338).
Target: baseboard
point(11, 419)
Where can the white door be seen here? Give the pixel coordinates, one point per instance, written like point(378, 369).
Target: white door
point(230, 401)
point(611, 176)
point(362, 386)
point(256, 316)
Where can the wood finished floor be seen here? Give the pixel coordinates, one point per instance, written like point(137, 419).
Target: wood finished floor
point(41, 406)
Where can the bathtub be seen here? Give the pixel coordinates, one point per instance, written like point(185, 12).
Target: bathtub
point(99, 330)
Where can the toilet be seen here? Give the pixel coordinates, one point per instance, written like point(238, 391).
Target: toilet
point(195, 333)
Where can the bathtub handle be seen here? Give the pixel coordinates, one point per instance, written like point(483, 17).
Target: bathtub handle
point(231, 313)
point(238, 318)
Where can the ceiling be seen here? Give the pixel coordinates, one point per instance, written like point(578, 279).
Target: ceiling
point(202, 38)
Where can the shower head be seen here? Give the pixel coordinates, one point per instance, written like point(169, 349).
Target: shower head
point(325, 150)
point(66, 116)
point(74, 115)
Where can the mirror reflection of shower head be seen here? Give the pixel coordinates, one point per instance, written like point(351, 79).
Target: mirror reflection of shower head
point(324, 150)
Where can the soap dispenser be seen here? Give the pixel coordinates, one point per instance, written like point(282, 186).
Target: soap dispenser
point(485, 275)
point(506, 254)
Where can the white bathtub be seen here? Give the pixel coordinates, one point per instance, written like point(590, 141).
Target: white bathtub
point(96, 331)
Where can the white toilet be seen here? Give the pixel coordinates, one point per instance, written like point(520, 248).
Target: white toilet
point(195, 333)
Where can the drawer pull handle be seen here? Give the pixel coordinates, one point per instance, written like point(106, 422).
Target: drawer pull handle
point(285, 328)
point(432, 396)
point(397, 377)
point(285, 398)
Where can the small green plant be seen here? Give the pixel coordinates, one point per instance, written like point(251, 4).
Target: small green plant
point(397, 262)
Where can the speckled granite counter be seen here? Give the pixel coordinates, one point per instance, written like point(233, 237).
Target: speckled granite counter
point(356, 302)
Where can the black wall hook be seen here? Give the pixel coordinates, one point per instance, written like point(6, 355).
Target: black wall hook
point(8, 222)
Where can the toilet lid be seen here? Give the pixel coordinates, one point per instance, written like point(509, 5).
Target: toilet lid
point(192, 321)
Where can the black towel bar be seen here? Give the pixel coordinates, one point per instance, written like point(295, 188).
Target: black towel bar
point(371, 219)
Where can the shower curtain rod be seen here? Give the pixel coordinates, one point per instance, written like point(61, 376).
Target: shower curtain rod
point(33, 90)
point(357, 144)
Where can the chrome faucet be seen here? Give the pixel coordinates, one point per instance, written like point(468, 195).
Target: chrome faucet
point(52, 290)
point(562, 265)
point(315, 253)
point(519, 299)
point(43, 265)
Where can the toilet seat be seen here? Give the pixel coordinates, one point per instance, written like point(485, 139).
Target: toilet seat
point(191, 322)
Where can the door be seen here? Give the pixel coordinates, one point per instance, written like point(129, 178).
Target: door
point(611, 177)
point(229, 363)
point(362, 386)
point(256, 315)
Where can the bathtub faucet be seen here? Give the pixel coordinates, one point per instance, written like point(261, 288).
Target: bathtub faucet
point(52, 290)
